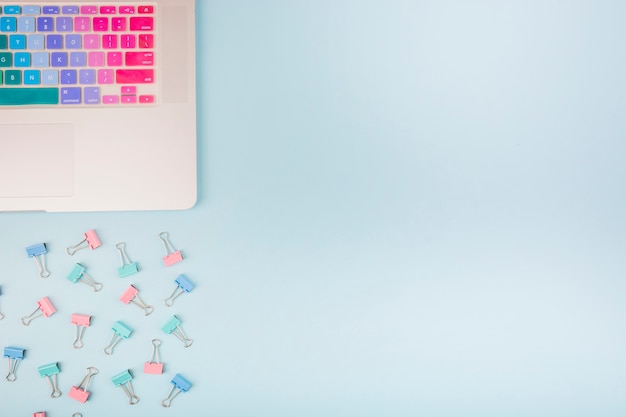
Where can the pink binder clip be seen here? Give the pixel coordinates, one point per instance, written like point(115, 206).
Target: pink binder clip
point(131, 295)
point(80, 393)
point(80, 322)
point(172, 255)
point(90, 241)
point(39, 414)
point(154, 365)
point(44, 308)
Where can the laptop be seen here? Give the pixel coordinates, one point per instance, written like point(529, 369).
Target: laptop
point(97, 105)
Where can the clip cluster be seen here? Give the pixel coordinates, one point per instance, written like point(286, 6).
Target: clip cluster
point(38, 253)
point(90, 241)
point(183, 285)
point(51, 372)
point(180, 384)
point(78, 274)
point(79, 392)
point(172, 255)
point(123, 380)
point(15, 355)
point(44, 308)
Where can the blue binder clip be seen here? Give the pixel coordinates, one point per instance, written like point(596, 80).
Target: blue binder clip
point(183, 285)
point(78, 274)
point(15, 355)
point(173, 327)
point(180, 385)
point(38, 253)
point(123, 380)
point(128, 267)
point(51, 372)
point(120, 331)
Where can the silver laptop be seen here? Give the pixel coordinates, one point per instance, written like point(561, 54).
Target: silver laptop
point(97, 105)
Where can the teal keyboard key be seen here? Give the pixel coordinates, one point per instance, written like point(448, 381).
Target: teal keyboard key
point(8, 24)
point(24, 96)
point(13, 77)
point(13, 9)
point(6, 59)
point(3, 42)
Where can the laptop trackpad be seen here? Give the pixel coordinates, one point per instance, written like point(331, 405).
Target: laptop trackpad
point(36, 160)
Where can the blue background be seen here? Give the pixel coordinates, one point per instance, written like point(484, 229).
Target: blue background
point(405, 208)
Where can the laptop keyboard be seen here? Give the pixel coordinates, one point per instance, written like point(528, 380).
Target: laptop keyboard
point(77, 55)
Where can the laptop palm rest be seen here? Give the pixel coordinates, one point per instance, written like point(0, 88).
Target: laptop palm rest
point(37, 160)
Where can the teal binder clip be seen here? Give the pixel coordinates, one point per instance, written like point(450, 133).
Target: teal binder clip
point(120, 332)
point(51, 372)
point(78, 274)
point(180, 384)
point(183, 285)
point(128, 267)
point(173, 327)
point(123, 380)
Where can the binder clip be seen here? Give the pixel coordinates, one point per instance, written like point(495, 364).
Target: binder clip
point(44, 308)
point(154, 365)
point(15, 355)
point(1, 315)
point(183, 285)
point(128, 267)
point(80, 322)
point(80, 393)
point(51, 372)
point(38, 253)
point(120, 331)
point(123, 380)
point(39, 414)
point(78, 274)
point(90, 241)
point(173, 327)
point(172, 255)
point(131, 295)
point(180, 385)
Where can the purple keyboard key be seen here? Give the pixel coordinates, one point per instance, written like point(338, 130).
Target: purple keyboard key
point(92, 95)
point(70, 95)
point(70, 9)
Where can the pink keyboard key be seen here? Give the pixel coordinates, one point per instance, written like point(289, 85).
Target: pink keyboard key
point(142, 23)
point(124, 76)
point(100, 24)
point(152, 368)
point(146, 99)
point(114, 59)
point(110, 99)
point(118, 24)
point(139, 58)
point(91, 41)
point(129, 89)
point(129, 99)
point(129, 294)
point(81, 319)
point(109, 41)
point(105, 76)
point(88, 9)
point(128, 41)
point(146, 41)
point(108, 10)
point(127, 9)
point(146, 9)
point(96, 59)
point(82, 24)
